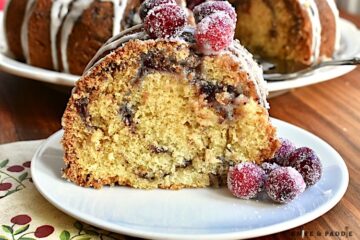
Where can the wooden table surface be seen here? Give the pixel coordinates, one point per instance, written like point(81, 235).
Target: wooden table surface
point(331, 110)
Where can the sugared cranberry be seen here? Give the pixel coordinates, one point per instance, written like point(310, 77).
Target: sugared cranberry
point(284, 152)
point(268, 167)
point(21, 219)
point(147, 5)
point(284, 184)
point(165, 21)
point(245, 180)
point(207, 8)
point(215, 33)
point(307, 163)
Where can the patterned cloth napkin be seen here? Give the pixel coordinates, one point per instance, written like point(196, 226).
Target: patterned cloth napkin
point(24, 213)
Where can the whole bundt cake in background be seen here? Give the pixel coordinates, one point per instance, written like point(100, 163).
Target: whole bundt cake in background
point(165, 105)
point(64, 34)
point(304, 31)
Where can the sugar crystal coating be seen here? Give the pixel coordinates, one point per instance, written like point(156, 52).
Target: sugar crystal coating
point(207, 8)
point(215, 33)
point(245, 180)
point(165, 21)
point(284, 184)
point(307, 163)
point(282, 155)
point(268, 167)
point(147, 5)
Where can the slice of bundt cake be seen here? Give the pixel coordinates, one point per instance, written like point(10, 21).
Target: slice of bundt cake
point(154, 110)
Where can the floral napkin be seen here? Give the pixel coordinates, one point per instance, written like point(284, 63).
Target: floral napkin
point(24, 213)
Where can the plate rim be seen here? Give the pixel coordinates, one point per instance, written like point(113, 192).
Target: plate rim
point(262, 231)
point(9, 65)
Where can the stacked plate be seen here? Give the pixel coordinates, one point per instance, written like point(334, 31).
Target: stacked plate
point(190, 213)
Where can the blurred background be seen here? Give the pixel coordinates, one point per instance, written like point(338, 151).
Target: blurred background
point(352, 6)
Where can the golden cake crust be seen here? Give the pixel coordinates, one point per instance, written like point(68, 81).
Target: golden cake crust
point(328, 33)
point(83, 39)
point(13, 18)
point(39, 42)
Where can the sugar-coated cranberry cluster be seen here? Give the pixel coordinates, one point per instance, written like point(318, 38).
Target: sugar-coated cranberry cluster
point(163, 18)
point(284, 177)
point(215, 28)
point(215, 22)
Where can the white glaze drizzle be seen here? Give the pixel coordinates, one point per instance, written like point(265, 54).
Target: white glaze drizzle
point(116, 42)
point(139, 35)
point(253, 70)
point(335, 11)
point(313, 12)
point(24, 29)
point(77, 9)
point(75, 12)
point(119, 7)
point(59, 10)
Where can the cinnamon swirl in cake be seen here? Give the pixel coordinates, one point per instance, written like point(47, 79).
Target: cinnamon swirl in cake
point(165, 105)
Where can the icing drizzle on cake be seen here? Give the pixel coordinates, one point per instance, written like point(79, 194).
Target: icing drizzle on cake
point(336, 13)
point(24, 29)
point(59, 10)
point(77, 9)
point(313, 12)
point(63, 16)
point(119, 7)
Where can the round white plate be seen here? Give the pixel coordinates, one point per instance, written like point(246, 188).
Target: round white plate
point(350, 38)
point(190, 213)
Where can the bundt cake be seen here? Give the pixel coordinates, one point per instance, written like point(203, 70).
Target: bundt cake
point(64, 34)
point(304, 31)
point(155, 109)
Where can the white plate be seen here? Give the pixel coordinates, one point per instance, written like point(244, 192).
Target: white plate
point(190, 213)
point(350, 38)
